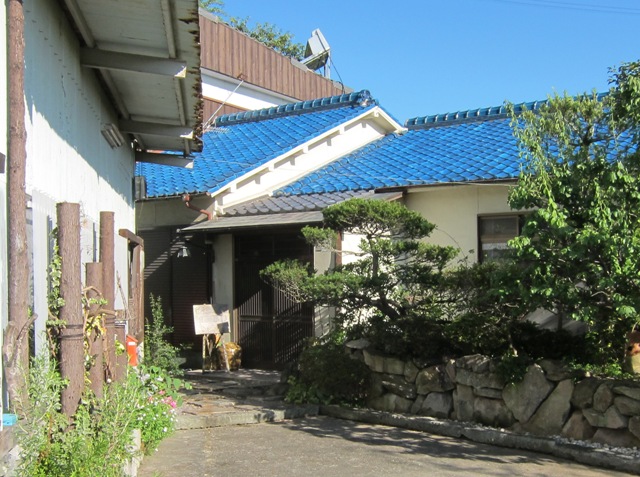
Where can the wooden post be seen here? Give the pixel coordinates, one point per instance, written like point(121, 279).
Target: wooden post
point(96, 372)
point(71, 336)
point(136, 284)
point(107, 231)
point(16, 344)
point(137, 327)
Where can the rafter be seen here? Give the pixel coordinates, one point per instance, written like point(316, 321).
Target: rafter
point(112, 60)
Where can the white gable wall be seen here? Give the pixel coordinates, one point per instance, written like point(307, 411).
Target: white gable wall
point(68, 160)
point(313, 155)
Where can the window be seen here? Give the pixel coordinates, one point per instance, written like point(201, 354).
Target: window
point(494, 233)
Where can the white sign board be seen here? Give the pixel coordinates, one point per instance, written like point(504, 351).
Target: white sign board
point(211, 319)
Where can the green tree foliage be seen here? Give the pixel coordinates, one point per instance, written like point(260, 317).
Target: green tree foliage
point(214, 6)
point(271, 36)
point(395, 287)
point(580, 245)
point(266, 33)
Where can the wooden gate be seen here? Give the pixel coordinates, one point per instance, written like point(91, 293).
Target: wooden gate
point(271, 327)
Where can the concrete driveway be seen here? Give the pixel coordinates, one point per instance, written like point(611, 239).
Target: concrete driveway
point(324, 446)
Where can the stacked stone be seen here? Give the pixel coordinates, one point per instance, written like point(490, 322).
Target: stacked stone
point(550, 400)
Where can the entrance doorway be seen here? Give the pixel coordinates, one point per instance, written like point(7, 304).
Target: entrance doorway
point(272, 328)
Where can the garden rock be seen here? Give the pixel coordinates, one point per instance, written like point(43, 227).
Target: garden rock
point(433, 379)
point(550, 417)
point(632, 392)
point(489, 393)
point(577, 427)
point(475, 362)
point(383, 364)
point(557, 370)
point(417, 404)
point(437, 405)
point(492, 412)
point(391, 403)
point(410, 371)
point(376, 389)
point(583, 392)
point(611, 418)
point(634, 426)
point(450, 369)
point(615, 438)
point(478, 380)
point(627, 406)
point(359, 344)
point(398, 385)
point(603, 397)
point(524, 398)
point(463, 403)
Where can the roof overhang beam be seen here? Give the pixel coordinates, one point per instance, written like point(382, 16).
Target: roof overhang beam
point(112, 60)
point(164, 159)
point(155, 129)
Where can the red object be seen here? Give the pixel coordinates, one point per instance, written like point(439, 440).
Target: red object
point(132, 350)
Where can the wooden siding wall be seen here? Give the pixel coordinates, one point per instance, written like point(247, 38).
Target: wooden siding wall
point(234, 54)
point(180, 282)
point(210, 107)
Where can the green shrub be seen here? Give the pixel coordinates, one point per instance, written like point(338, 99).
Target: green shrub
point(327, 375)
point(156, 418)
point(158, 352)
point(98, 440)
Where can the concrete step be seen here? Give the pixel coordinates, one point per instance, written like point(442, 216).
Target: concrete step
point(249, 415)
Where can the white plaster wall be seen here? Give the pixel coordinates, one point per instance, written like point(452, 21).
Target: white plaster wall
point(223, 274)
point(323, 260)
point(455, 209)
point(68, 160)
point(350, 247)
point(163, 212)
point(217, 87)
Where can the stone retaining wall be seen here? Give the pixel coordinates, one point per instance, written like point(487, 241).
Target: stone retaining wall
point(550, 400)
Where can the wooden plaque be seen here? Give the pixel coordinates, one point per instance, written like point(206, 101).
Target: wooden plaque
point(211, 319)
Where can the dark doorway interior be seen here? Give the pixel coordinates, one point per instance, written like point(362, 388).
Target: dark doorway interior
point(271, 327)
point(178, 270)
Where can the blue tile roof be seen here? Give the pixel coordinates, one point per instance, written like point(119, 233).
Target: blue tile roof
point(435, 149)
point(466, 146)
point(240, 142)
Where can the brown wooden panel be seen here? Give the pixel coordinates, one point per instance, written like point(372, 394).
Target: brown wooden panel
point(232, 53)
point(157, 268)
point(190, 286)
point(210, 107)
point(181, 282)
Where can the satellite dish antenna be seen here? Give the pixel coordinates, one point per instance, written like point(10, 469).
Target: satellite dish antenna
point(317, 53)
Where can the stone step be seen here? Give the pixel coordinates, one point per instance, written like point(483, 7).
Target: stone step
point(245, 416)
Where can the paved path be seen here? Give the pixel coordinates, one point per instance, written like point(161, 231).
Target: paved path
point(323, 446)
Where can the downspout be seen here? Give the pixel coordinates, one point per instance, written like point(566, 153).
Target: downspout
point(16, 345)
point(187, 201)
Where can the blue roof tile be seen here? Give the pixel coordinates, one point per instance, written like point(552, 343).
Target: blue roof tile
point(433, 150)
point(240, 142)
point(474, 145)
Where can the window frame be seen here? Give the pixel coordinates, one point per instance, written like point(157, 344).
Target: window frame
point(496, 238)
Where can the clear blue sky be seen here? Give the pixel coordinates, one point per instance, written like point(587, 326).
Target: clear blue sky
point(422, 57)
